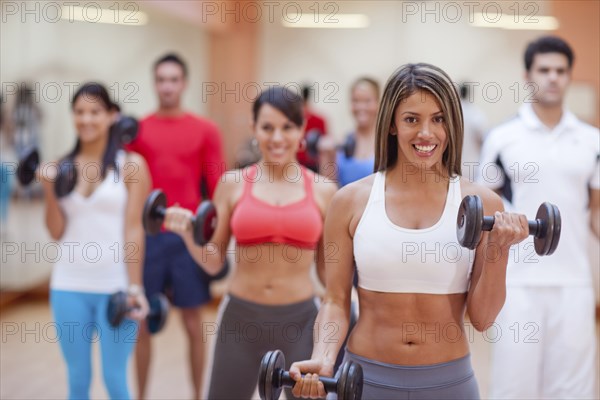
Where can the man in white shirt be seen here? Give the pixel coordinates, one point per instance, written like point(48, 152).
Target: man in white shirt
point(546, 341)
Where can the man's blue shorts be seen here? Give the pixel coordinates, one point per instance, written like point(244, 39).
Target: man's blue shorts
point(169, 268)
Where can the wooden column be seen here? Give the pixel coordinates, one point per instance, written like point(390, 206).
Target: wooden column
point(580, 26)
point(233, 84)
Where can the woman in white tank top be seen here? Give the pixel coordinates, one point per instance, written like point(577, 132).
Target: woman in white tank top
point(98, 228)
point(415, 280)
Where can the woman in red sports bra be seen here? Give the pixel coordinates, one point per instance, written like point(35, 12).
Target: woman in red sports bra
point(275, 211)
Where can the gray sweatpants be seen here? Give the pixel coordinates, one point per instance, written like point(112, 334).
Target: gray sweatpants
point(450, 380)
point(246, 331)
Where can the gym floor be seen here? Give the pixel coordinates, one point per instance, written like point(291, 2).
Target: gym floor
point(31, 365)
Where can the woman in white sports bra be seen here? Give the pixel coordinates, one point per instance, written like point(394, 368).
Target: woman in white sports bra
point(415, 280)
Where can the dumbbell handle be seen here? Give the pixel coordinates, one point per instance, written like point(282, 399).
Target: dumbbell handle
point(329, 383)
point(162, 212)
point(534, 226)
point(151, 312)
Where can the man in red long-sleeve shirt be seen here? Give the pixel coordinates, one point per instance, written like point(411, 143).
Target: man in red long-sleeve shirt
point(184, 153)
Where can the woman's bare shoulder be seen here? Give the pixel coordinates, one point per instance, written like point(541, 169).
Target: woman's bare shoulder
point(491, 200)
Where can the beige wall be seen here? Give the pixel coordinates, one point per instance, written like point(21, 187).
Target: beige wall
point(332, 58)
point(53, 54)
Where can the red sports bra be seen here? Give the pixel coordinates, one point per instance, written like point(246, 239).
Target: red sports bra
point(255, 221)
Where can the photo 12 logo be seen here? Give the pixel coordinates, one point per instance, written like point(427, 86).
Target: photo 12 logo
point(54, 92)
point(72, 11)
point(227, 92)
point(487, 13)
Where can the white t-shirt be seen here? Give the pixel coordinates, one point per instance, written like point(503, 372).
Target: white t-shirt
point(559, 166)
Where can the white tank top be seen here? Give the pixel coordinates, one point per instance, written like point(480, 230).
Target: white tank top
point(390, 258)
point(91, 255)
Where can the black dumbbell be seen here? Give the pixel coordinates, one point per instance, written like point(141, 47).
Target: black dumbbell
point(272, 377)
point(471, 222)
point(156, 318)
point(312, 144)
point(27, 166)
point(204, 222)
point(66, 177)
point(125, 129)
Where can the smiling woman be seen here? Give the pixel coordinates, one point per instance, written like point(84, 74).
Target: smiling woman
point(393, 223)
point(275, 210)
point(100, 212)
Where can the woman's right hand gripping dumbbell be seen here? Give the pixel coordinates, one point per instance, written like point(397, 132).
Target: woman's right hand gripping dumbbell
point(137, 303)
point(179, 221)
point(309, 386)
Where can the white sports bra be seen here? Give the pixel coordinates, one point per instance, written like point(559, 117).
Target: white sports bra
point(390, 258)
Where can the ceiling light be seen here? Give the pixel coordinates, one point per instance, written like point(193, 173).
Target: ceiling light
point(543, 23)
point(335, 21)
point(97, 15)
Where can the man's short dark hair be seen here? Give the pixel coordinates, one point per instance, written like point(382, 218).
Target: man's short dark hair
point(174, 58)
point(548, 44)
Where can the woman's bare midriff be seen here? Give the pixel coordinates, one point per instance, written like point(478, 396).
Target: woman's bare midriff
point(410, 328)
point(273, 274)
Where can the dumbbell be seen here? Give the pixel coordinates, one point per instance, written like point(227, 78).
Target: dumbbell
point(66, 177)
point(272, 377)
point(27, 166)
point(125, 129)
point(312, 144)
point(156, 318)
point(204, 222)
point(545, 228)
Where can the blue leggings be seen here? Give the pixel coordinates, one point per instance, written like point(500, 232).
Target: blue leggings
point(5, 189)
point(81, 320)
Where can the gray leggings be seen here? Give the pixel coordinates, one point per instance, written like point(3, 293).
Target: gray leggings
point(246, 331)
point(450, 380)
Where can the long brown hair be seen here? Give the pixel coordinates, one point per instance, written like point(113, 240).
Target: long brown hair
point(404, 82)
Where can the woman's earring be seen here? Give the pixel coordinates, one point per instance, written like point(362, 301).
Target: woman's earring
point(254, 143)
point(302, 145)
